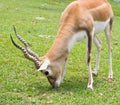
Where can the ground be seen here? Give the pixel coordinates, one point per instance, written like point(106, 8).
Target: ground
point(38, 21)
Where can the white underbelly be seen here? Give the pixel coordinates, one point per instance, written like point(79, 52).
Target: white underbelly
point(78, 36)
point(98, 27)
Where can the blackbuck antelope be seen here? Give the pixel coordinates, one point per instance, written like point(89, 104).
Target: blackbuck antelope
point(81, 19)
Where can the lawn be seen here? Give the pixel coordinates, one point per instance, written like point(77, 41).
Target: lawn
point(38, 21)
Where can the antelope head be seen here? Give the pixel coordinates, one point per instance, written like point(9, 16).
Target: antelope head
point(50, 70)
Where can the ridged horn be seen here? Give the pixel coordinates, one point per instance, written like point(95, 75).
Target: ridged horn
point(28, 53)
point(27, 45)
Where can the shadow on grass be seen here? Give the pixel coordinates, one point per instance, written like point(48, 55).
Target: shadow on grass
point(71, 84)
point(74, 85)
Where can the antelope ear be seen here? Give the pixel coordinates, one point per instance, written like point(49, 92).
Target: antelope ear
point(44, 65)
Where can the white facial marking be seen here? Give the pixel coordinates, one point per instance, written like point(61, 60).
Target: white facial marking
point(58, 81)
point(44, 65)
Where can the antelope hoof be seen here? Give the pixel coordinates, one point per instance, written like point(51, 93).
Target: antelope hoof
point(110, 77)
point(94, 73)
point(89, 87)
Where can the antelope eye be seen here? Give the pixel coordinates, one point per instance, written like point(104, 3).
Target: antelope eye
point(46, 73)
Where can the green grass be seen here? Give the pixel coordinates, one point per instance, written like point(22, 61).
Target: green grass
point(20, 84)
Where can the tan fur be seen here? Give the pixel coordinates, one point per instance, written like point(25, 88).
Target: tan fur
point(78, 17)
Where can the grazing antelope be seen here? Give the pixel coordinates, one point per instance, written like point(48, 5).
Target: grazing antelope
point(81, 19)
